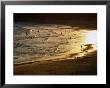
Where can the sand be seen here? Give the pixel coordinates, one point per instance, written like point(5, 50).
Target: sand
point(86, 65)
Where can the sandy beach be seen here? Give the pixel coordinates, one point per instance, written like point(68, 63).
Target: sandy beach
point(86, 65)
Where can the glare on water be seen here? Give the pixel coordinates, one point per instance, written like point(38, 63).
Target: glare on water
point(88, 37)
point(91, 37)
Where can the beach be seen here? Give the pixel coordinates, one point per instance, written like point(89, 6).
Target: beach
point(86, 65)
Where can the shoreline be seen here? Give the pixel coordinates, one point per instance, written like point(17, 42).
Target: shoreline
point(86, 65)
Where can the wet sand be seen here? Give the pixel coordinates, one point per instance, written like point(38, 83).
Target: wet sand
point(86, 65)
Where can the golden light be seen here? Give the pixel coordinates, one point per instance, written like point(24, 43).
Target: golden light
point(91, 37)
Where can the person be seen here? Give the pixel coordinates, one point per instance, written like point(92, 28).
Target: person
point(70, 37)
point(61, 33)
point(81, 47)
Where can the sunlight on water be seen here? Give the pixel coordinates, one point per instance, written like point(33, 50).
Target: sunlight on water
point(86, 37)
point(91, 37)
